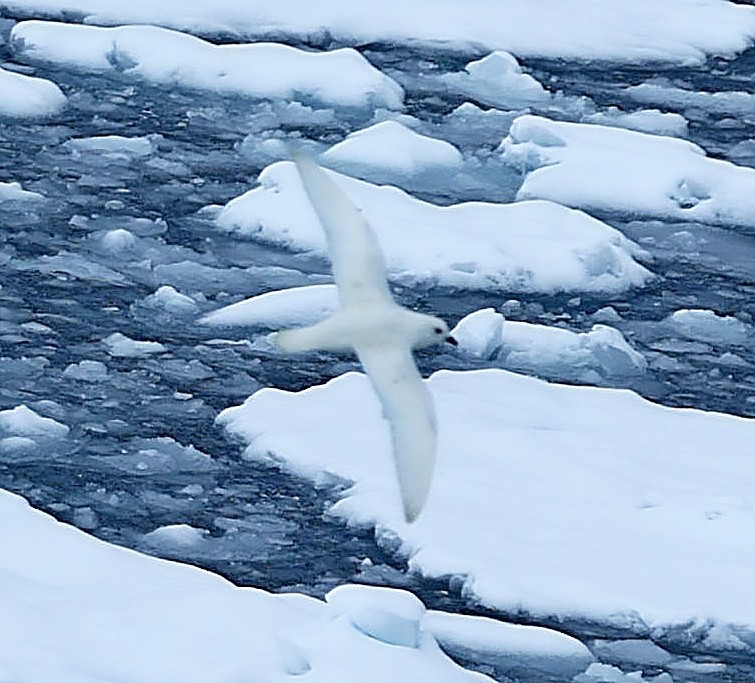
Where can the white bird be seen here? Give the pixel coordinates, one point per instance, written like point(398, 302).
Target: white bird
point(381, 332)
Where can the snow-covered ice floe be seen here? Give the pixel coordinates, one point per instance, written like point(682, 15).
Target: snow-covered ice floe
point(14, 192)
point(591, 29)
point(26, 96)
point(525, 246)
point(606, 506)
point(76, 610)
point(497, 80)
point(158, 55)
point(547, 351)
point(607, 169)
point(388, 150)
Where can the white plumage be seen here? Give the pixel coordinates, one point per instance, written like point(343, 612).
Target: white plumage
point(381, 332)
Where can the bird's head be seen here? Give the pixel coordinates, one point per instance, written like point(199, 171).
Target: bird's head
point(433, 331)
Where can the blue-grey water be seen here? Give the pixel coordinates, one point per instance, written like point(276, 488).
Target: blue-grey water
point(63, 292)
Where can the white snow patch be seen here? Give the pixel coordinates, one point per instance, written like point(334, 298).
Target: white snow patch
point(498, 81)
point(77, 609)
point(733, 103)
point(566, 472)
point(553, 351)
point(170, 300)
point(26, 96)
point(646, 121)
point(87, 371)
point(159, 55)
point(122, 346)
point(173, 536)
point(609, 169)
point(14, 192)
point(707, 326)
point(296, 306)
point(593, 29)
point(508, 646)
point(117, 145)
point(388, 149)
point(24, 422)
point(525, 246)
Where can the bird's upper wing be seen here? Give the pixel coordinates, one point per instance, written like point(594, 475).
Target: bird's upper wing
point(408, 406)
point(357, 261)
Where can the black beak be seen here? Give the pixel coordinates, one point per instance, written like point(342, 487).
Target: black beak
point(451, 340)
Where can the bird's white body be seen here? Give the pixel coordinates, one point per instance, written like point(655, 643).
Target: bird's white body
point(381, 332)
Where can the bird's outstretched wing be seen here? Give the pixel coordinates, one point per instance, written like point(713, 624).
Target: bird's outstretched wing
point(357, 261)
point(408, 406)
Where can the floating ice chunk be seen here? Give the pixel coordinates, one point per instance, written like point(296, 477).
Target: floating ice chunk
point(73, 265)
point(122, 346)
point(25, 96)
point(386, 614)
point(508, 646)
point(633, 651)
point(17, 444)
point(77, 609)
point(14, 192)
point(389, 149)
point(645, 121)
point(564, 471)
point(551, 351)
point(87, 371)
point(497, 80)
point(732, 103)
point(173, 536)
point(114, 145)
point(280, 308)
point(707, 326)
point(23, 421)
point(118, 240)
point(590, 167)
point(171, 301)
point(605, 673)
point(479, 333)
point(263, 70)
point(158, 456)
point(644, 30)
point(526, 246)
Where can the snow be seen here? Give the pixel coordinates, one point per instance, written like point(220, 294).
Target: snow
point(707, 326)
point(76, 610)
point(114, 145)
point(733, 103)
point(171, 301)
point(602, 500)
point(166, 57)
point(22, 421)
point(646, 121)
point(598, 168)
point(292, 307)
point(87, 371)
point(644, 30)
point(389, 149)
point(24, 96)
point(509, 646)
point(119, 345)
point(14, 192)
point(526, 246)
point(497, 80)
point(548, 351)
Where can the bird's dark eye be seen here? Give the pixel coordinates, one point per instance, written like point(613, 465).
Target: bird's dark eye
point(438, 330)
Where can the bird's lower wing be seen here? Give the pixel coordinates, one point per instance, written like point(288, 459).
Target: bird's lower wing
point(409, 408)
point(357, 261)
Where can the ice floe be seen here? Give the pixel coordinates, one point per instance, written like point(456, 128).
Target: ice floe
point(24, 96)
point(119, 345)
point(159, 55)
point(14, 192)
point(643, 30)
point(77, 609)
point(388, 150)
point(612, 170)
point(646, 121)
point(497, 80)
point(706, 326)
point(553, 352)
point(525, 246)
point(661, 93)
point(602, 500)
point(23, 421)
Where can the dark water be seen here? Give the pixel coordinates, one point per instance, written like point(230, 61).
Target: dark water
point(62, 293)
